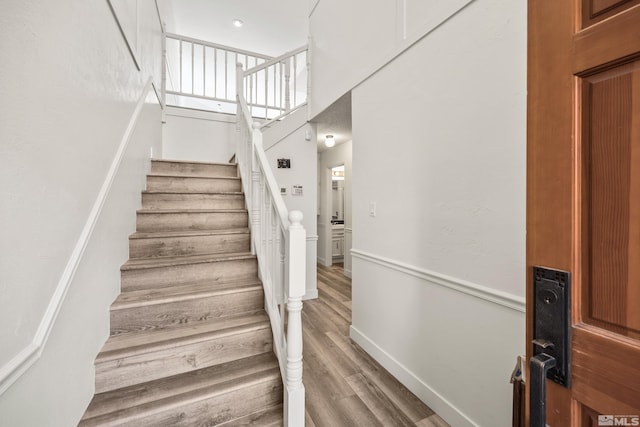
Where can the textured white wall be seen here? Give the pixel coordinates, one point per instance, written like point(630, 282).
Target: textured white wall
point(198, 135)
point(287, 140)
point(69, 88)
point(363, 42)
point(449, 160)
point(439, 138)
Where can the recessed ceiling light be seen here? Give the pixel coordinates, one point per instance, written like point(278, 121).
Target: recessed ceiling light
point(237, 23)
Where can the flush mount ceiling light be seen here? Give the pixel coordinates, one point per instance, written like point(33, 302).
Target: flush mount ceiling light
point(329, 141)
point(238, 23)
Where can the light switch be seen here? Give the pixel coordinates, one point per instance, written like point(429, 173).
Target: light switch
point(372, 209)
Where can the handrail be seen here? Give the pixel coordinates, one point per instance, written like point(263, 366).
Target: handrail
point(278, 239)
point(276, 60)
point(217, 46)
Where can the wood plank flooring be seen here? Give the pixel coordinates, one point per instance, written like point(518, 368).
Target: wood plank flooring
point(344, 385)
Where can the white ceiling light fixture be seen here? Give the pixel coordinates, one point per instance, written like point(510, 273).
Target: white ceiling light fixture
point(238, 23)
point(329, 141)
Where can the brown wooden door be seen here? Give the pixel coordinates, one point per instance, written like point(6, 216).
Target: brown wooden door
point(583, 196)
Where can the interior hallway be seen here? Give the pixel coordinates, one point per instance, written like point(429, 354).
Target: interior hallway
point(344, 385)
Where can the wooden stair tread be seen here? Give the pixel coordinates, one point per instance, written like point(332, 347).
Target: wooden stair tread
point(168, 175)
point(132, 343)
point(193, 162)
point(145, 297)
point(180, 211)
point(269, 417)
point(222, 193)
point(158, 394)
point(144, 263)
point(187, 233)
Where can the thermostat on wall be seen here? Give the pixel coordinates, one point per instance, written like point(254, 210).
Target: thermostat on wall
point(284, 163)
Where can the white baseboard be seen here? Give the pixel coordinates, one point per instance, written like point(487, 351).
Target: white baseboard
point(312, 294)
point(347, 273)
point(428, 395)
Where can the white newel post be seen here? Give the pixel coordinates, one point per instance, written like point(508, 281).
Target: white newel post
point(294, 388)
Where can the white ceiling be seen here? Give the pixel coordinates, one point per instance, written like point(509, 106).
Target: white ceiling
point(336, 121)
point(271, 27)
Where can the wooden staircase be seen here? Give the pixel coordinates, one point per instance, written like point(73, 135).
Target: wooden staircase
point(190, 342)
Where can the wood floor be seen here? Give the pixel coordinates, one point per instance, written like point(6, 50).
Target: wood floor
point(344, 385)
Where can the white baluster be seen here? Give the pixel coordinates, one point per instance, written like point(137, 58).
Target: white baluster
point(294, 389)
point(239, 83)
point(287, 78)
point(257, 187)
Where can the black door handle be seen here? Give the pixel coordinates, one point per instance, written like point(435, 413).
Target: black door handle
point(538, 367)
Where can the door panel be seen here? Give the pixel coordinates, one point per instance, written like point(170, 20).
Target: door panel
point(597, 10)
point(605, 371)
point(611, 275)
point(583, 195)
point(606, 42)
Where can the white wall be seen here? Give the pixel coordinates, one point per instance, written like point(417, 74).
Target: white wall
point(69, 88)
point(341, 154)
point(196, 135)
point(361, 36)
point(439, 145)
point(287, 139)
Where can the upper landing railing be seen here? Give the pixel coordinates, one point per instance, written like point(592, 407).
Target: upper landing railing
point(278, 86)
point(202, 75)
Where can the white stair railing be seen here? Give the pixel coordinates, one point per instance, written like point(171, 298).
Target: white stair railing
point(278, 86)
point(201, 74)
point(279, 241)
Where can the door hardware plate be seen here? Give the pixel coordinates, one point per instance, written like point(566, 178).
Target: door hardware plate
point(552, 304)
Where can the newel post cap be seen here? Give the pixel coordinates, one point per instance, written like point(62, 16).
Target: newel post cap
point(296, 218)
point(256, 125)
point(239, 65)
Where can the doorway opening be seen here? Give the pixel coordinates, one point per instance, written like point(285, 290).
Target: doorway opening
point(337, 214)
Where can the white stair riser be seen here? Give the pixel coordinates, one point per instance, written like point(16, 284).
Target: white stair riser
point(189, 311)
point(204, 412)
point(193, 169)
point(178, 221)
point(189, 245)
point(139, 368)
point(210, 272)
point(232, 405)
point(192, 201)
point(192, 185)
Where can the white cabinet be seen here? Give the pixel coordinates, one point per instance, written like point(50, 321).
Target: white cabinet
point(337, 240)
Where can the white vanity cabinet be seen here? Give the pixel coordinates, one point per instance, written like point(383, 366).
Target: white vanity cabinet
point(337, 240)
